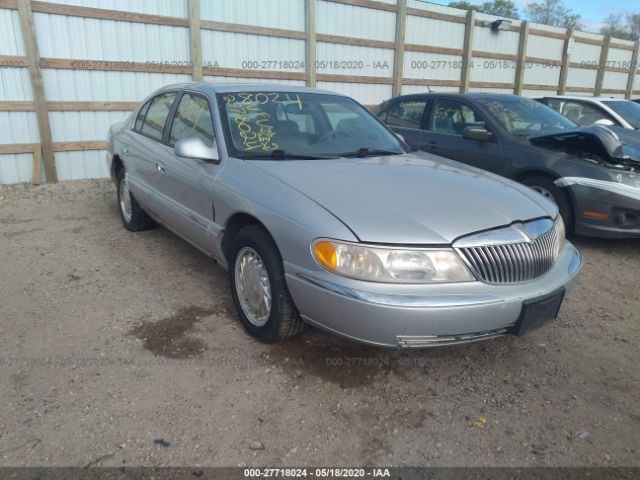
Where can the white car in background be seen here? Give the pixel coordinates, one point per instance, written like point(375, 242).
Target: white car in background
point(586, 111)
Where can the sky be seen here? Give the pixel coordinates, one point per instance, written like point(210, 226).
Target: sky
point(593, 11)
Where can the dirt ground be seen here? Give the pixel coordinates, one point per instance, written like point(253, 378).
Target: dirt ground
point(123, 349)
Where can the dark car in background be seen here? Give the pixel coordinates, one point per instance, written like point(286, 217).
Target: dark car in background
point(591, 173)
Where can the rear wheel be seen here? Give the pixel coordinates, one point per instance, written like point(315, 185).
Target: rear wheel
point(258, 286)
point(546, 187)
point(133, 216)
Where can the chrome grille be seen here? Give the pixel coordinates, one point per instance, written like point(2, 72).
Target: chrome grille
point(514, 254)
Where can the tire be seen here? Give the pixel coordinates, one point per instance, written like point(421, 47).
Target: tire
point(549, 189)
point(253, 246)
point(133, 216)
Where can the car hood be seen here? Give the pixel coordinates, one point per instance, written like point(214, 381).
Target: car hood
point(409, 199)
point(619, 143)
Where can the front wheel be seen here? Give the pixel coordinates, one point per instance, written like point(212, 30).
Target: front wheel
point(258, 286)
point(547, 188)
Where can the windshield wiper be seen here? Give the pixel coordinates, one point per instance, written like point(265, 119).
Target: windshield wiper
point(369, 152)
point(279, 154)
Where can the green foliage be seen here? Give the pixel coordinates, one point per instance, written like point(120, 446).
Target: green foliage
point(500, 8)
point(554, 13)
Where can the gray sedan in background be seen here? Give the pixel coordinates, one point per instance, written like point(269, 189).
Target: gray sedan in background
point(321, 214)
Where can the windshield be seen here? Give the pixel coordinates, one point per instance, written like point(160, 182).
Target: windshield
point(523, 116)
point(301, 125)
point(628, 110)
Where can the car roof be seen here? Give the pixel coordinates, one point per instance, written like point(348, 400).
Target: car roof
point(590, 99)
point(471, 95)
point(212, 88)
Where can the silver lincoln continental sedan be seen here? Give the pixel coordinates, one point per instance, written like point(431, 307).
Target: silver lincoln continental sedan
point(322, 215)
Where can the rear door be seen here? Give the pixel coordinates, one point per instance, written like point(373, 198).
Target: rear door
point(406, 117)
point(147, 152)
point(445, 122)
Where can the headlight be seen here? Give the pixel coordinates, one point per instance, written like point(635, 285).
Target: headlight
point(560, 231)
point(388, 264)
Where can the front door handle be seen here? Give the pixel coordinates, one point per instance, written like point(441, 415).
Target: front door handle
point(125, 151)
point(161, 169)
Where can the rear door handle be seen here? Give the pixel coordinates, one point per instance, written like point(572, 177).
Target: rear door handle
point(161, 169)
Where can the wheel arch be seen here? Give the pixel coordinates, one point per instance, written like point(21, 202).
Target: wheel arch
point(233, 225)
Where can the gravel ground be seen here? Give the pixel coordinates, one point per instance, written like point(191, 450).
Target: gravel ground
point(123, 349)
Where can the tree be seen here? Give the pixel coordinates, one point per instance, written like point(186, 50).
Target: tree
point(554, 13)
point(499, 8)
point(619, 26)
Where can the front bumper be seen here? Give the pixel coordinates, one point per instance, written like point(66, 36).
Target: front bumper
point(599, 204)
point(420, 315)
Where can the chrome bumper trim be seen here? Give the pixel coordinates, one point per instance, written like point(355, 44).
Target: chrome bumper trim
point(400, 300)
point(407, 341)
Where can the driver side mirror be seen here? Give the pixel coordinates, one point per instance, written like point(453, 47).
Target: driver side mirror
point(194, 147)
point(477, 133)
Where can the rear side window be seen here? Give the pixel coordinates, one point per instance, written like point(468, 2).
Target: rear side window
point(407, 113)
point(140, 117)
point(193, 119)
point(156, 117)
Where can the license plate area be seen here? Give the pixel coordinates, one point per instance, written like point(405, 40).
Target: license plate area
point(538, 311)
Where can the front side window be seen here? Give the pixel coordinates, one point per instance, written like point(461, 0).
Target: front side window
point(452, 117)
point(523, 116)
point(305, 124)
point(192, 119)
point(627, 109)
point(156, 117)
point(582, 113)
point(406, 113)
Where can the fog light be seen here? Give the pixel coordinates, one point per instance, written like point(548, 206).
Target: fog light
point(626, 219)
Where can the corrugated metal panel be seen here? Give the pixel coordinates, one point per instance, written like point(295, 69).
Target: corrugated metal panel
point(340, 59)
point(622, 58)
point(79, 165)
point(254, 52)
point(616, 80)
point(215, 79)
point(538, 74)
point(10, 34)
point(169, 8)
point(15, 84)
point(585, 53)
point(490, 70)
point(286, 14)
point(433, 7)
point(538, 93)
point(367, 94)
point(437, 33)
point(99, 86)
point(491, 90)
point(351, 21)
point(77, 126)
point(85, 38)
point(409, 89)
point(545, 47)
point(17, 127)
point(581, 77)
point(433, 66)
point(16, 168)
point(501, 42)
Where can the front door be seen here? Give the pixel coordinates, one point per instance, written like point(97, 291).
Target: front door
point(446, 121)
